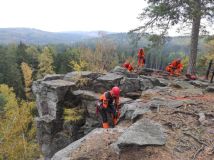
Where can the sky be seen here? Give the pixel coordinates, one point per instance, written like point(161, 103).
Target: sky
point(71, 15)
point(74, 15)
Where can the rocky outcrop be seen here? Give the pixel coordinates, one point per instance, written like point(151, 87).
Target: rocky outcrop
point(55, 93)
point(50, 94)
point(73, 151)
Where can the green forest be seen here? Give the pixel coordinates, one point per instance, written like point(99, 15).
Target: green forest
point(27, 60)
point(21, 64)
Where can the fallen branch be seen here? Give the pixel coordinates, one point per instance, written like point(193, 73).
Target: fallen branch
point(196, 139)
point(198, 151)
point(187, 113)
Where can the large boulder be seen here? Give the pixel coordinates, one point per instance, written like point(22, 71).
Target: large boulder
point(154, 81)
point(142, 133)
point(82, 79)
point(130, 85)
point(199, 83)
point(131, 111)
point(123, 71)
point(145, 84)
point(49, 94)
point(72, 76)
point(106, 82)
point(181, 85)
point(87, 146)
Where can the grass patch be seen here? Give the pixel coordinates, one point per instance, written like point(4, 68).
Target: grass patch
point(73, 114)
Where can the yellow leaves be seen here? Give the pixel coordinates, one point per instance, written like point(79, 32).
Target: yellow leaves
point(27, 74)
point(102, 59)
point(45, 63)
point(81, 66)
point(185, 62)
point(206, 57)
point(16, 127)
point(73, 114)
point(9, 98)
point(106, 53)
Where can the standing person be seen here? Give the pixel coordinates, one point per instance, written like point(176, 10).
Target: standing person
point(141, 57)
point(109, 102)
point(175, 67)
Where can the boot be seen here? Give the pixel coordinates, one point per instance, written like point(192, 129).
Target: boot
point(105, 125)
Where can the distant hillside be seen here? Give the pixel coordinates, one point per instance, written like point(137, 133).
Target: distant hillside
point(34, 36)
point(121, 40)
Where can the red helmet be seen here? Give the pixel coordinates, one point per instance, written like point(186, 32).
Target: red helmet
point(116, 91)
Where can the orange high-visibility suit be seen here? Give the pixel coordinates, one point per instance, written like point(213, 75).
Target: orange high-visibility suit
point(128, 66)
point(109, 104)
point(141, 57)
point(175, 67)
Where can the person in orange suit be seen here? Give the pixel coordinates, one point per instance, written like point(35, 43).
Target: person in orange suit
point(141, 57)
point(175, 67)
point(109, 102)
point(128, 66)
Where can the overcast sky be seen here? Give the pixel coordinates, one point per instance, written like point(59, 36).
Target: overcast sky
point(71, 15)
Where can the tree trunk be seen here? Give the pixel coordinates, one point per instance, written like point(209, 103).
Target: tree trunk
point(194, 41)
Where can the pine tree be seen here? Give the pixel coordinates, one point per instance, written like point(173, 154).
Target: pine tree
point(27, 74)
point(160, 15)
point(45, 63)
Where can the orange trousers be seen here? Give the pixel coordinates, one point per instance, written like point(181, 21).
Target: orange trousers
point(141, 61)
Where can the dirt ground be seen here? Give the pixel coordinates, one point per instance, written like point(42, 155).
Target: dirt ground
point(187, 137)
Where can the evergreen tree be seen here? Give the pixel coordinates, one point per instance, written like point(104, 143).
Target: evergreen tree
point(45, 63)
point(10, 72)
point(21, 54)
point(62, 60)
point(160, 15)
point(33, 53)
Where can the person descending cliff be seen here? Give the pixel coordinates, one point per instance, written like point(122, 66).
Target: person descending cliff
point(109, 103)
point(141, 57)
point(175, 67)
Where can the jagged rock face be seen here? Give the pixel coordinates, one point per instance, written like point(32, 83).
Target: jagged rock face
point(49, 98)
point(49, 95)
point(54, 93)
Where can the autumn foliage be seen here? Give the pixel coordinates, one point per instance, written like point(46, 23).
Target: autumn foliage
point(17, 128)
